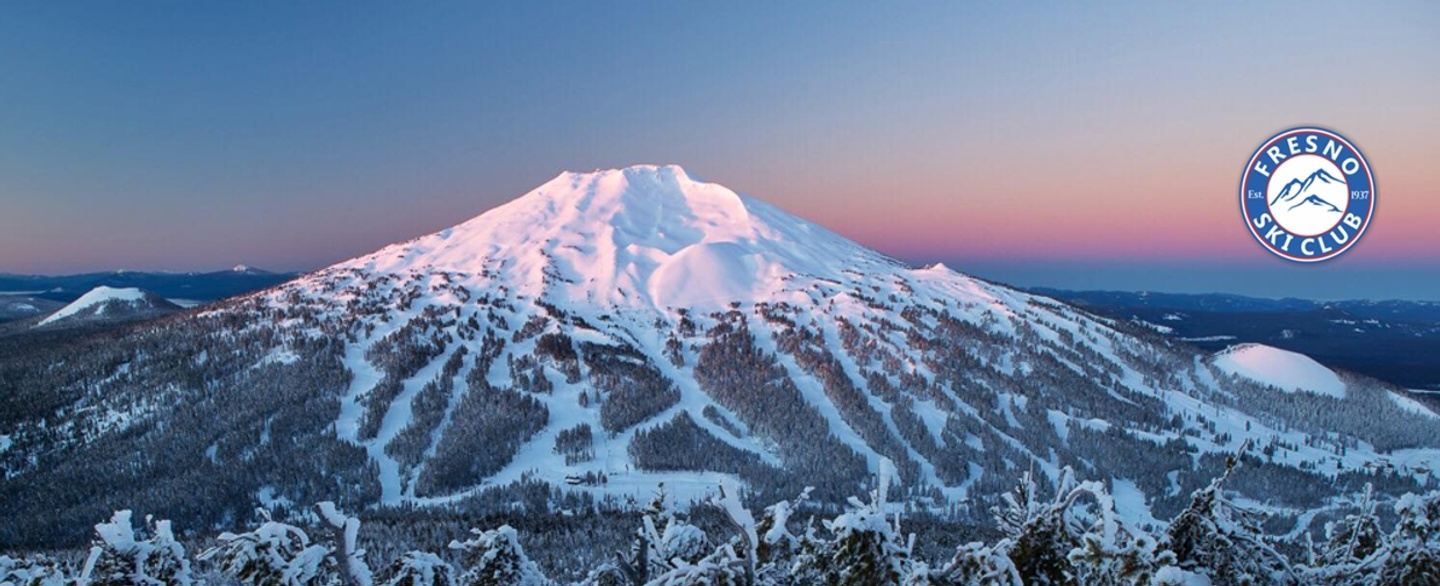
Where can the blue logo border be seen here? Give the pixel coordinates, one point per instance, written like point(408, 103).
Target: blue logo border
point(1369, 216)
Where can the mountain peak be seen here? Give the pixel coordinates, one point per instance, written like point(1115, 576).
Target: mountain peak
point(645, 235)
point(244, 269)
point(640, 199)
point(638, 170)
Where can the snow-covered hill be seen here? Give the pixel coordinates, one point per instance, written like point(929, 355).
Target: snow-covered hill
point(1288, 371)
point(109, 303)
point(614, 330)
point(25, 305)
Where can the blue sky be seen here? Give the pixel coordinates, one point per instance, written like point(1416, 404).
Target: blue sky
point(1067, 145)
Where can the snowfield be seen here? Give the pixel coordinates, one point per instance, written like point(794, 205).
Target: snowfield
point(1289, 371)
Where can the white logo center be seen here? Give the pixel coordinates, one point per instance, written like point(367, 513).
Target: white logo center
point(1307, 195)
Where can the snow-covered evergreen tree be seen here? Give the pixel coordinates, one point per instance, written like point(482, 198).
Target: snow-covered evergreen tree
point(1124, 556)
point(419, 568)
point(782, 557)
point(773, 537)
point(495, 558)
point(731, 563)
point(1355, 537)
point(668, 547)
point(722, 567)
point(1074, 537)
point(671, 539)
point(1351, 545)
point(976, 564)
point(1413, 553)
point(357, 572)
point(275, 554)
point(867, 548)
point(1112, 552)
point(121, 558)
point(1222, 540)
point(606, 575)
point(1047, 539)
point(1174, 576)
point(36, 571)
point(1040, 535)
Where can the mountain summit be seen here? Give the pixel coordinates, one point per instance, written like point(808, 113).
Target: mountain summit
point(642, 236)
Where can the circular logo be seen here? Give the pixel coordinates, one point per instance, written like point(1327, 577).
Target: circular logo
point(1307, 194)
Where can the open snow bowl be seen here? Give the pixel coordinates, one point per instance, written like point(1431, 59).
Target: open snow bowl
point(1289, 371)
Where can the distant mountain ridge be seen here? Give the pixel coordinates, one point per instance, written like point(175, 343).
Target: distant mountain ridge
point(1392, 340)
point(1378, 308)
point(197, 286)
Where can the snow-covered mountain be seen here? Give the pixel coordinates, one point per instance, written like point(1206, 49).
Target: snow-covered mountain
point(245, 269)
point(614, 330)
point(109, 303)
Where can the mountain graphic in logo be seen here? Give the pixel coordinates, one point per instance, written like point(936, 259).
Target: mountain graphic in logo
point(1315, 200)
point(1299, 189)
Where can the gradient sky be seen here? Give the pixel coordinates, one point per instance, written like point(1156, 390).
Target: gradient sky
point(1041, 144)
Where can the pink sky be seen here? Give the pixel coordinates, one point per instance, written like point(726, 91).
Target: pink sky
point(289, 140)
